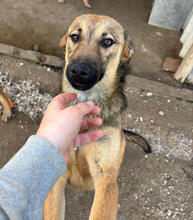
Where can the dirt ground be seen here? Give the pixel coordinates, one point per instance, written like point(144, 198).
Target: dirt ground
point(152, 187)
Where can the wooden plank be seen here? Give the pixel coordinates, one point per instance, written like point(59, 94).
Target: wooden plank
point(159, 88)
point(187, 44)
point(171, 64)
point(190, 77)
point(187, 21)
point(31, 55)
point(185, 67)
point(187, 36)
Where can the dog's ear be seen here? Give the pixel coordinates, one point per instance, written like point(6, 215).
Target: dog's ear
point(128, 49)
point(63, 41)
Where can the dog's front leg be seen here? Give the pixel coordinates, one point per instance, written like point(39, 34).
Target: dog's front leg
point(54, 205)
point(106, 196)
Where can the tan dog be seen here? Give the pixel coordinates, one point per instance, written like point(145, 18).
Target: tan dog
point(95, 46)
point(6, 105)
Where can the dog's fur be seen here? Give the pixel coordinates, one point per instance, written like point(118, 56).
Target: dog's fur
point(6, 108)
point(95, 165)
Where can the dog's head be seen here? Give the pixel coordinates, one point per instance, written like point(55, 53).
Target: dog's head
point(94, 45)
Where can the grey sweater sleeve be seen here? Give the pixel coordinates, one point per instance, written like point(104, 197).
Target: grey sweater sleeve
point(27, 178)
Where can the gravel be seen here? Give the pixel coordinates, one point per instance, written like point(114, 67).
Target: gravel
point(25, 95)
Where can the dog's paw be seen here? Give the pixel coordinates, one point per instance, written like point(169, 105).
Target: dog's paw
point(86, 4)
point(6, 114)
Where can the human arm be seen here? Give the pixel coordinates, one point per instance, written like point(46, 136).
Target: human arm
point(28, 177)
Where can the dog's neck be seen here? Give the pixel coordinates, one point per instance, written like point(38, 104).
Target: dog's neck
point(111, 104)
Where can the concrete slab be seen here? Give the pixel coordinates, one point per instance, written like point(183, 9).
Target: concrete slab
point(170, 14)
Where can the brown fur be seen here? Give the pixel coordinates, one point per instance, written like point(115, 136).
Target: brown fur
point(96, 165)
point(5, 103)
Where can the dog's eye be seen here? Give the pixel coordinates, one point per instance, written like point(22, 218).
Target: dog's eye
point(74, 38)
point(107, 42)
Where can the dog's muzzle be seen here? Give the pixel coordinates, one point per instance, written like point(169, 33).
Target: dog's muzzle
point(83, 76)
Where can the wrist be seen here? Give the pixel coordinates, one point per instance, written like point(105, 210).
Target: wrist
point(55, 143)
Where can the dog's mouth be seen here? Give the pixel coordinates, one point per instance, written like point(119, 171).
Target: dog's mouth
point(80, 86)
point(83, 76)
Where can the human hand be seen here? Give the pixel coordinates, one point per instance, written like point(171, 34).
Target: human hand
point(61, 126)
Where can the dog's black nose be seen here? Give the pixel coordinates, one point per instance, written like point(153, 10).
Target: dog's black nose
point(83, 75)
point(80, 71)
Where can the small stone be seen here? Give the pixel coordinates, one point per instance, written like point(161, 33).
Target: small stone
point(21, 64)
point(151, 121)
point(141, 119)
point(48, 69)
point(159, 33)
point(143, 48)
point(169, 213)
point(161, 113)
point(149, 94)
point(169, 100)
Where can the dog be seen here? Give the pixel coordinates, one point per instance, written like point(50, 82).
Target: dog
point(7, 104)
point(95, 46)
